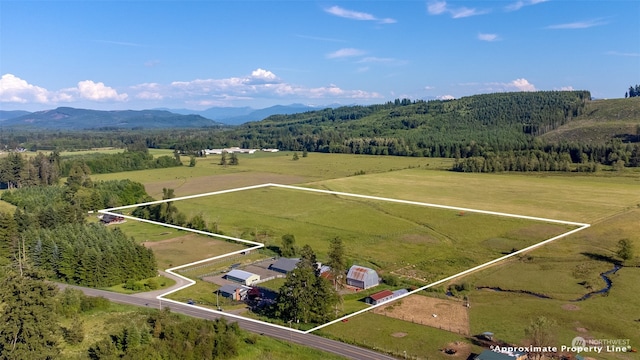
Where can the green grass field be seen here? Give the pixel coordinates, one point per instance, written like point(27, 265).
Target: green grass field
point(610, 201)
point(438, 242)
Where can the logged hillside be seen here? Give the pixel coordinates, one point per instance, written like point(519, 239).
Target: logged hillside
point(601, 122)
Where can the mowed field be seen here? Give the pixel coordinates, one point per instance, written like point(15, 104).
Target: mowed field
point(607, 200)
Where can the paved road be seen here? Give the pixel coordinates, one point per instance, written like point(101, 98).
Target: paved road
point(310, 340)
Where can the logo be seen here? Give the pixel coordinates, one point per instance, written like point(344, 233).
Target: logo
point(578, 341)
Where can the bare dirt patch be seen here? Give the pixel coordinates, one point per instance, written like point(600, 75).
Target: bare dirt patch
point(399, 334)
point(570, 307)
point(450, 315)
point(457, 349)
point(204, 184)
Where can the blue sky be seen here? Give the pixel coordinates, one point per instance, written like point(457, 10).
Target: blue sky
point(199, 54)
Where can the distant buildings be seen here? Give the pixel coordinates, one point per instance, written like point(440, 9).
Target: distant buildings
point(230, 150)
point(362, 277)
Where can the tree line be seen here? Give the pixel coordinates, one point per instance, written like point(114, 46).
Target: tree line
point(17, 170)
point(33, 310)
point(633, 91)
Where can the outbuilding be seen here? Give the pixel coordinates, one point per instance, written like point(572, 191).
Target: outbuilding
point(234, 292)
point(379, 297)
point(284, 265)
point(243, 277)
point(362, 277)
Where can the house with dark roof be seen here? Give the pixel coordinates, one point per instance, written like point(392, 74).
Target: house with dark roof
point(284, 265)
point(379, 297)
point(110, 219)
point(234, 292)
point(362, 277)
point(243, 277)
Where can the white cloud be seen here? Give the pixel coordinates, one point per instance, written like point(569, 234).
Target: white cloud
point(99, 91)
point(521, 85)
point(14, 89)
point(578, 24)
point(522, 3)
point(617, 53)
point(246, 88)
point(445, 97)
point(346, 52)
point(488, 37)
point(437, 7)
point(356, 15)
point(441, 7)
point(566, 88)
point(379, 60)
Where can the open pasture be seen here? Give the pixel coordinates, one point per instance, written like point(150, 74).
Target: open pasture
point(432, 243)
point(572, 197)
point(208, 175)
point(189, 248)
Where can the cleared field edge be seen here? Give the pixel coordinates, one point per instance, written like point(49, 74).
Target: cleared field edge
point(257, 245)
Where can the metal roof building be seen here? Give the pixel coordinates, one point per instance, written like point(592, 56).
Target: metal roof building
point(380, 297)
point(284, 265)
point(243, 277)
point(362, 277)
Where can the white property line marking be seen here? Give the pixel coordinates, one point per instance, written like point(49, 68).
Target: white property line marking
point(258, 245)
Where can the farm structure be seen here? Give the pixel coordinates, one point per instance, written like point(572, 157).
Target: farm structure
point(110, 219)
point(243, 277)
point(230, 150)
point(362, 277)
point(379, 297)
point(234, 292)
point(284, 265)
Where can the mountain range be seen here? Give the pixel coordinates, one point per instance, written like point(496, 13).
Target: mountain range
point(66, 118)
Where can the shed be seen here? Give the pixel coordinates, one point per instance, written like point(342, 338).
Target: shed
point(399, 292)
point(379, 297)
point(243, 277)
point(362, 277)
point(284, 265)
point(234, 292)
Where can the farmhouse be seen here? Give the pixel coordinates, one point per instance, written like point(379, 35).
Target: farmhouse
point(243, 277)
point(379, 297)
point(234, 292)
point(362, 277)
point(284, 265)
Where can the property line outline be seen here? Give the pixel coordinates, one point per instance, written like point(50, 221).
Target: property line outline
point(257, 245)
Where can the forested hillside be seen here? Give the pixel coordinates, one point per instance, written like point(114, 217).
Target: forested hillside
point(523, 131)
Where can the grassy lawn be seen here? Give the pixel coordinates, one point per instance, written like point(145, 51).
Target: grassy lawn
point(162, 281)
